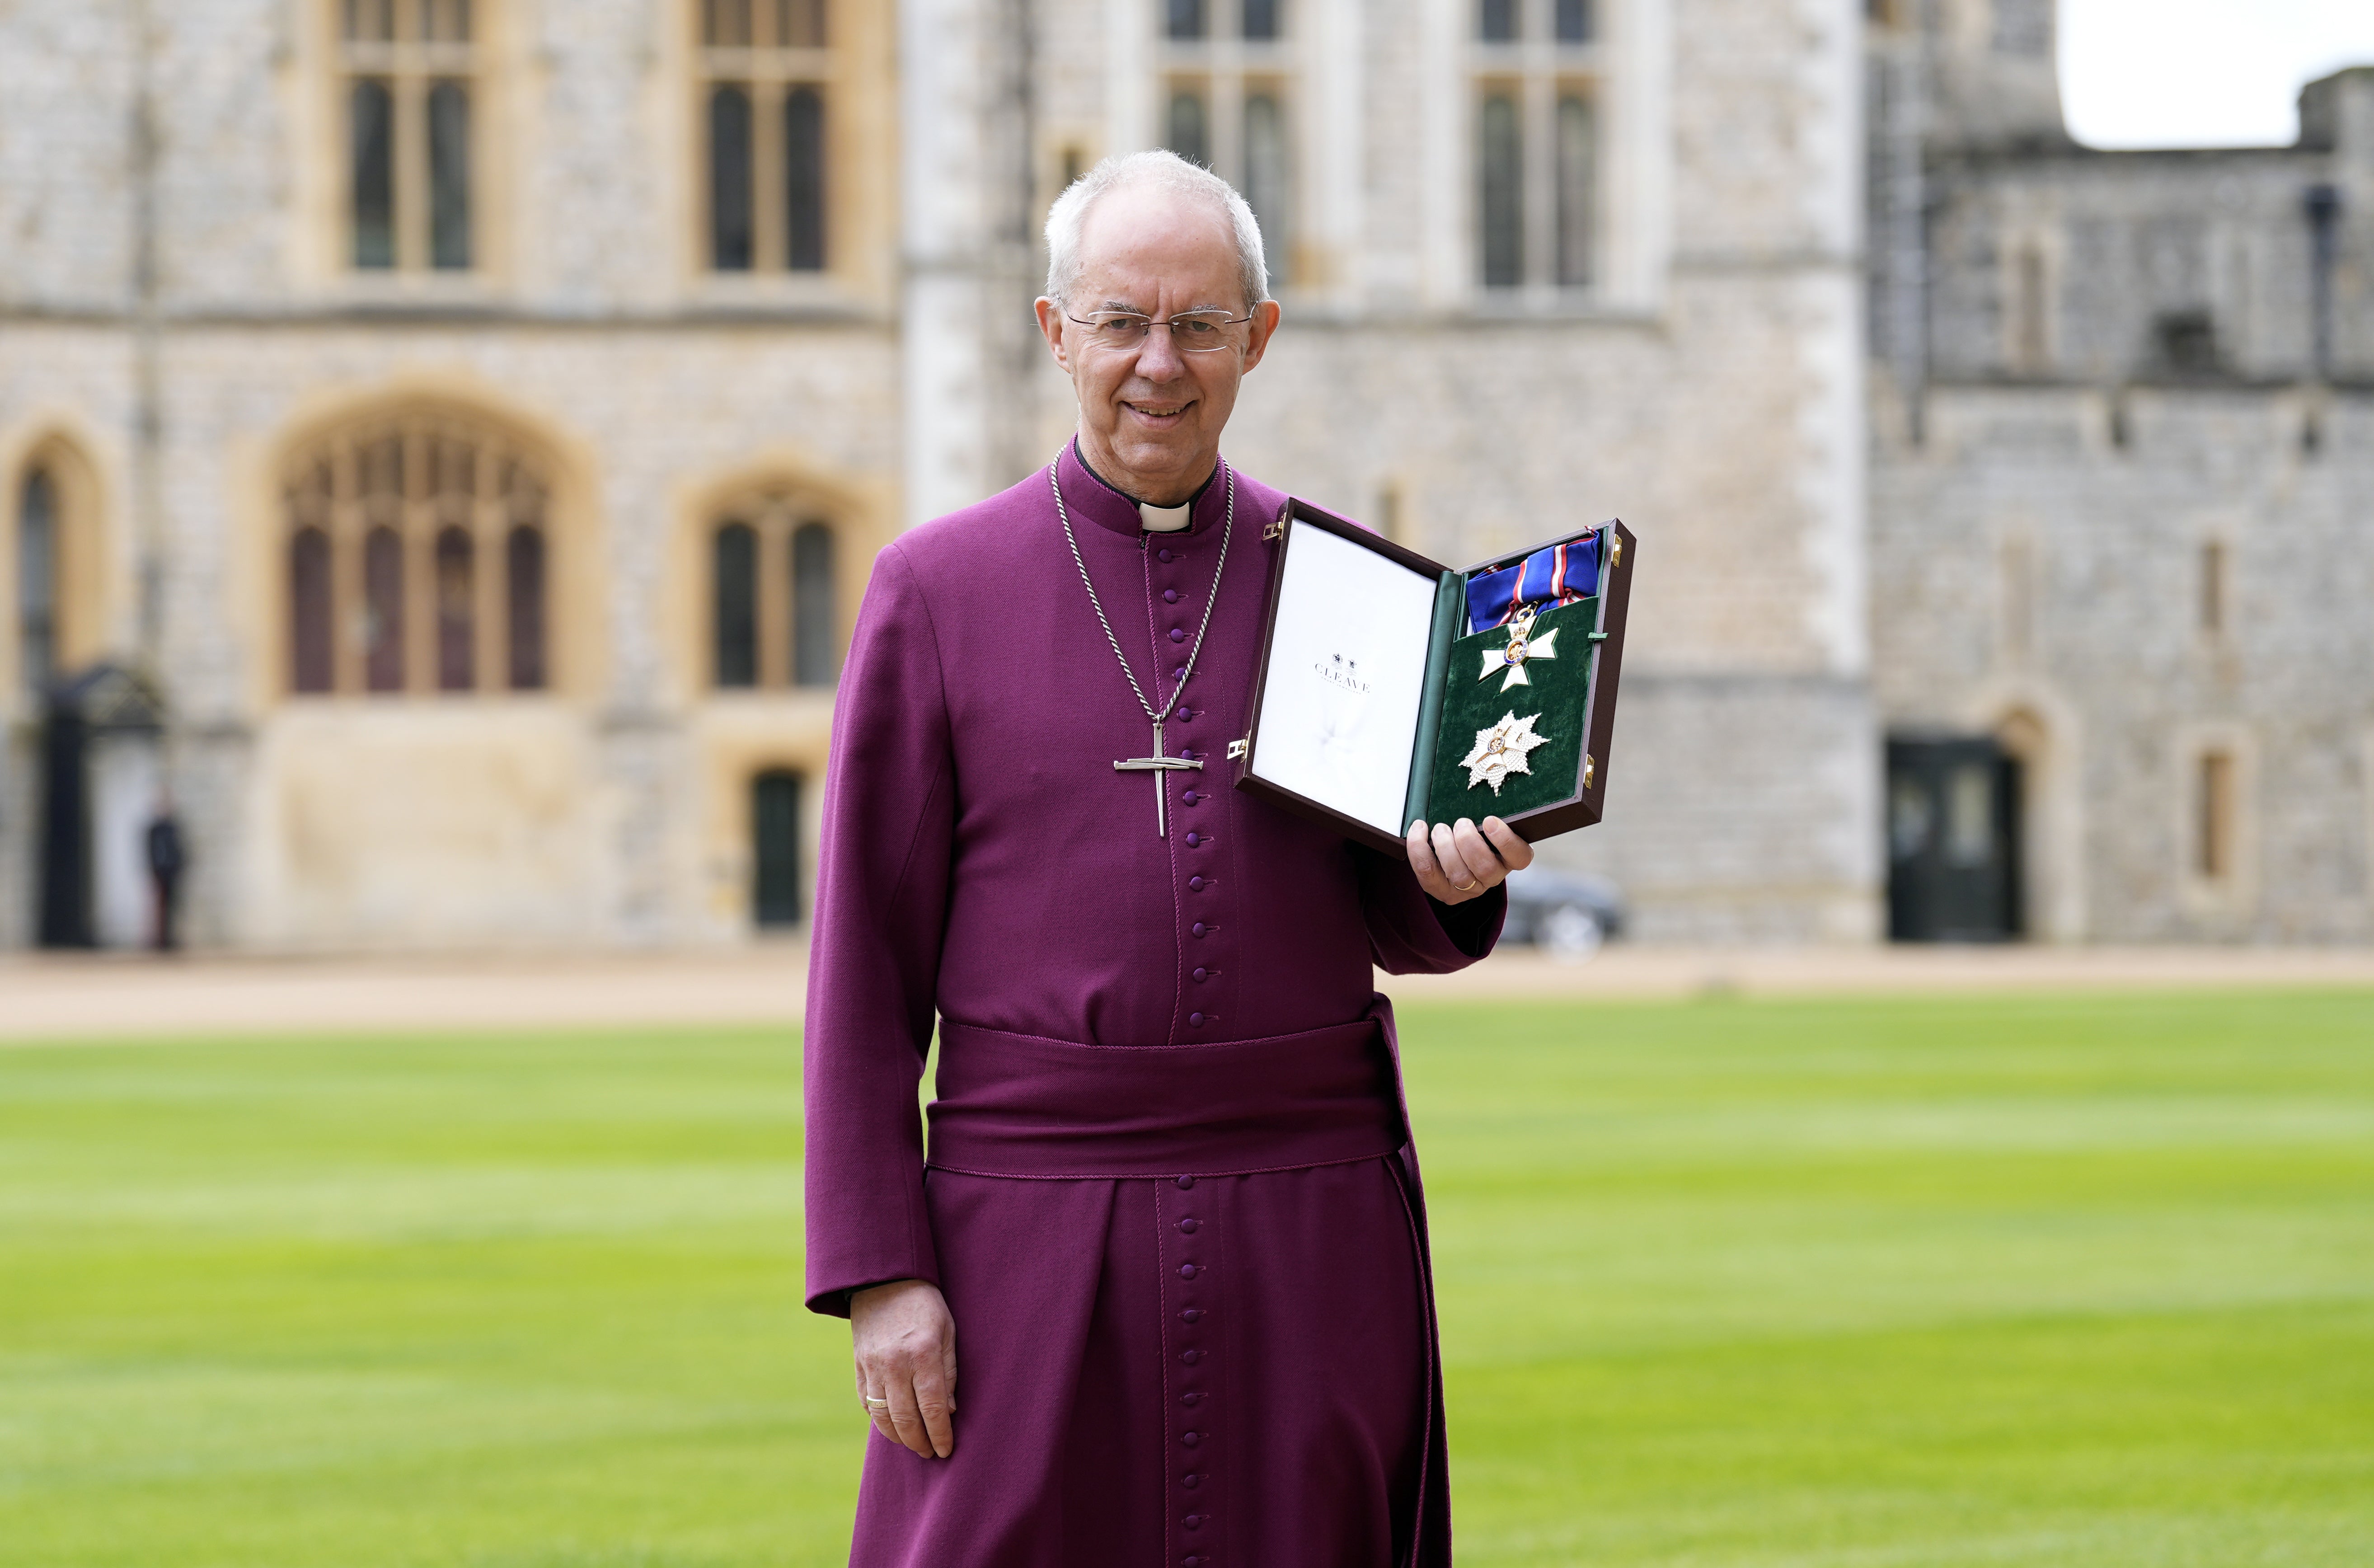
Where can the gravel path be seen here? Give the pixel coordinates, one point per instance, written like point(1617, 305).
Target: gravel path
point(87, 997)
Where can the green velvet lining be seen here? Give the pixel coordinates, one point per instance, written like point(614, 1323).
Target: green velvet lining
point(1557, 689)
point(1450, 612)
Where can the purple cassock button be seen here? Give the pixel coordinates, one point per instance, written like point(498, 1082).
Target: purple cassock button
point(1191, 797)
point(1195, 884)
point(1178, 674)
point(1195, 1020)
point(1193, 838)
point(1198, 928)
point(1162, 555)
point(1193, 1521)
point(1189, 1271)
point(1191, 1357)
point(1190, 1400)
point(1186, 713)
point(1177, 634)
point(1202, 973)
point(1191, 1481)
point(1190, 1315)
point(1185, 1183)
point(1191, 1438)
point(1190, 1224)
point(1169, 596)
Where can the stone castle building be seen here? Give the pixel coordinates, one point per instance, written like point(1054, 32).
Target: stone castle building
point(2121, 506)
point(442, 443)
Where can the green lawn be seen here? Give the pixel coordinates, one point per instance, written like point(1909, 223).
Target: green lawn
point(2078, 1281)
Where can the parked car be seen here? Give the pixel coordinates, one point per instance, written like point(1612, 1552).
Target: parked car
point(1566, 914)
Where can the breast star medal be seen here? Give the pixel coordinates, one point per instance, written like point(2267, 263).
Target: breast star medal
point(1522, 646)
point(1502, 750)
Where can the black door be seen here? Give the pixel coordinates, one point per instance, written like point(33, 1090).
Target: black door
point(65, 889)
point(1953, 841)
point(775, 848)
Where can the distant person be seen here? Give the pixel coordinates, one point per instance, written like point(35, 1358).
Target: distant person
point(1171, 1211)
point(166, 860)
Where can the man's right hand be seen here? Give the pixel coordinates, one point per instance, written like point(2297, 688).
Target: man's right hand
point(906, 1346)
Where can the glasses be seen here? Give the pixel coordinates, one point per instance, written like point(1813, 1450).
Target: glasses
point(1196, 332)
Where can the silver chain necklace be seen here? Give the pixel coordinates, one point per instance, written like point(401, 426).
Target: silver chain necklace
point(1157, 764)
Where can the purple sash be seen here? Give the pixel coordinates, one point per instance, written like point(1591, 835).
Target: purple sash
point(1019, 1105)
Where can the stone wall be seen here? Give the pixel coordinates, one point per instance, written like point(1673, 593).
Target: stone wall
point(1710, 393)
point(2122, 398)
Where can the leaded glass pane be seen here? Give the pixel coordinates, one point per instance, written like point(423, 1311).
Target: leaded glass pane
point(725, 24)
point(1266, 176)
point(370, 21)
point(775, 848)
point(800, 24)
point(1189, 134)
point(730, 218)
point(1573, 21)
point(1182, 19)
point(383, 610)
point(309, 649)
point(445, 21)
point(1501, 190)
point(37, 581)
point(449, 174)
point(457, 619)
point(371, 176)
point(1262, 19)
point(1577, 189)
point(734, 605)
point(523, 593)
point(1496, 22)
point(815, 635)
point(804, 196)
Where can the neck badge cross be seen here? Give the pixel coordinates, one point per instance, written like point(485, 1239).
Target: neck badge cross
point(1158, 765)
point(1522, 646)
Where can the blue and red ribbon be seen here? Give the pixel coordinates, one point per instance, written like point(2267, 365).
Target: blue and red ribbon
point(1557, 575)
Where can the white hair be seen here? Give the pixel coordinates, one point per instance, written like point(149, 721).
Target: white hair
point(1164, 171)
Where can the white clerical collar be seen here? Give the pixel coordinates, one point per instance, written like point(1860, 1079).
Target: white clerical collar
point(1166, 519)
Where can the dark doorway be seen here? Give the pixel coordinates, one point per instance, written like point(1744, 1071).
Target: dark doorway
point(775, 848)
point(1953, 841)
point(65, 895)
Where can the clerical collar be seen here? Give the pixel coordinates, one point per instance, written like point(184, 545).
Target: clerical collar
point(1153, 519)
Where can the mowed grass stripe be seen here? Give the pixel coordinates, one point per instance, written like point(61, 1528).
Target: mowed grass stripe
point(1934, 1281)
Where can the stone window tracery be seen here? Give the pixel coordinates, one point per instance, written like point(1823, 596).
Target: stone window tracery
point(1228, 70)
point(774, 617)
point(414, 561)
point(766, 71)
point(1535, 71)
point(409, 73)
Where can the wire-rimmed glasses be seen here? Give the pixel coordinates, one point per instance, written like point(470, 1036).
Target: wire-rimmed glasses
point(1192, 332)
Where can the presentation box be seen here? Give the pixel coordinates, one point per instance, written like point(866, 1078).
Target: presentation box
point(1393, 689)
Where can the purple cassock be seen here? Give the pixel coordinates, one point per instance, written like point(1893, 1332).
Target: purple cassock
point(1170, 1193)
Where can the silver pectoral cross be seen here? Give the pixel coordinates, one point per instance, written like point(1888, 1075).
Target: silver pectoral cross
point(1158, 765)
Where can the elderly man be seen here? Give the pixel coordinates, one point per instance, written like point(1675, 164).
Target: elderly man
point(1168, 1231)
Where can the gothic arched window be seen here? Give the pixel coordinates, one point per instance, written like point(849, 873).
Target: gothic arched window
point(773, 599)
point(409, 73)
point(417, 560)
point(765, 65)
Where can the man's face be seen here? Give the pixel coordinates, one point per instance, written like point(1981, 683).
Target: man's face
point(1151, 416)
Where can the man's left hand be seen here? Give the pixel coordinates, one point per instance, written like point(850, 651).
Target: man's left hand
point(1457, 862)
